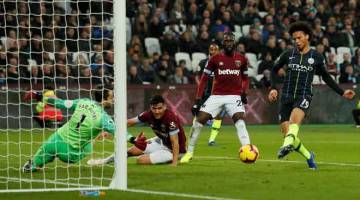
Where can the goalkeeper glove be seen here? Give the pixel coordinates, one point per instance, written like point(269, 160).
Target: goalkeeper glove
point(244, 99)
point(33, 95)
point(196, 107)
point(139, 141)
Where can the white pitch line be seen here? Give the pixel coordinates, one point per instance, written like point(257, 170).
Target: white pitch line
point(44, 181)
point(89, 187)
point(180, 194)
point(280, 161)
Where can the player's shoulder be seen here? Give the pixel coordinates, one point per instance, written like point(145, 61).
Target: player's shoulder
point(239, 55)
point(316, 54)
point(170, 115)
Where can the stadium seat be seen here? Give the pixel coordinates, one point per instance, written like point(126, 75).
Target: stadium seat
point(342, 50)
point(317, 80)
point(263, 14)
point(196, 58)
point(259, 77)
point(245, 29)
point(332, 50)
point(76, 56)
point(237, 35)
point(253, 64)
point(237, 28)
point(3, 41)
point(152, 45)
point(183, 56)
point(176, 28)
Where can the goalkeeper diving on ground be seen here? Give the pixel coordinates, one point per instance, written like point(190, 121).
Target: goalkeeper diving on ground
point(73, 141)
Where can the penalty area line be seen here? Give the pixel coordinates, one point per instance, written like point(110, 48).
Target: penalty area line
point(280, 161)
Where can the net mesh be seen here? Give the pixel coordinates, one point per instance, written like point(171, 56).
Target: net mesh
point(63, 46)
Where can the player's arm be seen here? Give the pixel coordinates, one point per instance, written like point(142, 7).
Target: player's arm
point(209, 68)
point(133, 121)
point(279, 63)
point(175, 146)
point(321, 70)
point(108, 125)
point(60, 103)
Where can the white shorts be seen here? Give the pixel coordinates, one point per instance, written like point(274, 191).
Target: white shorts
point(215, 103)
point(158, 152)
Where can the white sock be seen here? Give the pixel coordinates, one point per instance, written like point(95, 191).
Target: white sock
point(109, 159)
point(242, 132)
point(195, 133)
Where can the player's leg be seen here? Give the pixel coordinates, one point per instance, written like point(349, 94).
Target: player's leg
point(209, 109)
point(215, 128)
point(356, 115)
point(296, 117)
point(155, 153)
point(45, 154)
point(292, 141)
point(68, 154)
point(236, 109)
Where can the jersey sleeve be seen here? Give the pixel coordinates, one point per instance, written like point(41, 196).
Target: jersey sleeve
point(60, 103)
point(321, 71)
point(108, 124)
point(279, 62)
point(245, 76)
point(144, 117)
point(210, 65)
point(173, 127)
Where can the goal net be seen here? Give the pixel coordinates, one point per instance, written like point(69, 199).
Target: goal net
point(61, 48)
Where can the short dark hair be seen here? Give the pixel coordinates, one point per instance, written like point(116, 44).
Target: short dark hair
point(230, 34)
point(102, 92)
point(300, 26)
point(156, 99)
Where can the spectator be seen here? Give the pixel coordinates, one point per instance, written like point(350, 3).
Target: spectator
point(331, 65)
point(134, 77)
point(178, 77)
point(162, 76)
point(169, 43)
point(265, 81)
point(348, 76)
point(147, 73)
point(266, 64)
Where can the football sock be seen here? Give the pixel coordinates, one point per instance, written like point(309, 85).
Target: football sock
point(242, 132)
point(293, 130)
point(214, 129)
point(299, 147)
point(194, 136)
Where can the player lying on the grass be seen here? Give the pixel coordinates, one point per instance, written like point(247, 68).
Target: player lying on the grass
point(72, 142)
point(302, 64)
point(230, 85)
point(169, 144)
point(216, 123)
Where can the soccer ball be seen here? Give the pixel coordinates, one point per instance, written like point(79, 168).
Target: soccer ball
point(248, 153)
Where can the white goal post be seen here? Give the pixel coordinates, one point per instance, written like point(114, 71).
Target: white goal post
point(66, 48)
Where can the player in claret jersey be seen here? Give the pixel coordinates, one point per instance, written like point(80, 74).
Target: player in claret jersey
point(230, 84)
point(168, 145)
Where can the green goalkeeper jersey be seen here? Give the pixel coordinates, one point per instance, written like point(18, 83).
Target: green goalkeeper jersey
point(89, 119)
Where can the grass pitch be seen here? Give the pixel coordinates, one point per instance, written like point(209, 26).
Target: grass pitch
point(214, 173)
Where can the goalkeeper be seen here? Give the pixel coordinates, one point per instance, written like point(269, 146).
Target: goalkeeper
point(72, 142)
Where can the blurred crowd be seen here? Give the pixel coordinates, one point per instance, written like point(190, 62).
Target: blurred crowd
point(70, 42)
point(55, 42)
point(261, 29)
